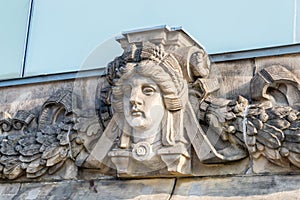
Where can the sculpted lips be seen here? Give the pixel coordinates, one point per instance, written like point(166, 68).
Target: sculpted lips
point(135, 112)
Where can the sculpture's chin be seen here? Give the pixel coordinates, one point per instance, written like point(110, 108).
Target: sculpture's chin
point(138, 123)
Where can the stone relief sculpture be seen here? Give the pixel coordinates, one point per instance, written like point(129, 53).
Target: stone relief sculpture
point(38, 148)
point(275, 119)
point(154, 126)
point(157, 115)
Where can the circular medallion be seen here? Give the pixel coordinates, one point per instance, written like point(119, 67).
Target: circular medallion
point(141, 151)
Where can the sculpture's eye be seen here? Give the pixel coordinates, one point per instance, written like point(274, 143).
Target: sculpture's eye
point(147, 90)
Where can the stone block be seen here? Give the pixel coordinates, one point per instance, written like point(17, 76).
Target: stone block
point(9, 190)
point(99, 189)
point(234, 78)
point(290, 61)
point(243, 187)
point(233, 168)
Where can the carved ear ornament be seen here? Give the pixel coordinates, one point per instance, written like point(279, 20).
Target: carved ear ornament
point(175, 103)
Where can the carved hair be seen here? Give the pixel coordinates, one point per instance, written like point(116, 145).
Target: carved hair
point(152, 62)
point(163, 68)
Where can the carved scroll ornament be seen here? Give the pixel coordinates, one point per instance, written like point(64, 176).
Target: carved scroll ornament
point(274, 120)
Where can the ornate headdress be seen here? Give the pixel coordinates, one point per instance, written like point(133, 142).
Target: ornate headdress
point(134, 55)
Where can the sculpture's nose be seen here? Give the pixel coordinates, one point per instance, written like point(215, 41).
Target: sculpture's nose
point(135, 97)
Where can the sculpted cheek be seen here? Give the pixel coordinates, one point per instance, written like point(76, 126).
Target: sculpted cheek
point(156, 111)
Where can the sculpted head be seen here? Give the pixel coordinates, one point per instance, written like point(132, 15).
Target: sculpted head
point(144, 93)
point(148, 90)
point(143, 104)
point(148, 93)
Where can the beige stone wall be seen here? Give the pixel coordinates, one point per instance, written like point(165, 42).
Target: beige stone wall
point(33, 96)
point(234, 77)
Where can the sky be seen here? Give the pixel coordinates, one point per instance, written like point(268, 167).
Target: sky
point(64, 33)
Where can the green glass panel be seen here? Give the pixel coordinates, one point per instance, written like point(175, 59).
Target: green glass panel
point(13, 27)
point(64, 33)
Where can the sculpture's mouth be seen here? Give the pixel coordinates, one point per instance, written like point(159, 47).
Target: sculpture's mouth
point(136, 112)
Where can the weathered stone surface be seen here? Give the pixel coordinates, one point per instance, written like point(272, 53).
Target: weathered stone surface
point(243, 187)
point(98, 189)
point(232, 188)
point(234, 168)
point(234, 78)
point(291, 62)
point(32, 96)
point(262, 165)
point(291, 195)
point(9, 190)
point(276, 84)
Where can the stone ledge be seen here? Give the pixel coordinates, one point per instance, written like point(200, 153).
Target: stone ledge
point(231, 188)
point(95, 189)
point(249, 187)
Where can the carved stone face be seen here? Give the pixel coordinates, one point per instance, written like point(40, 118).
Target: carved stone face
point(143, 104)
